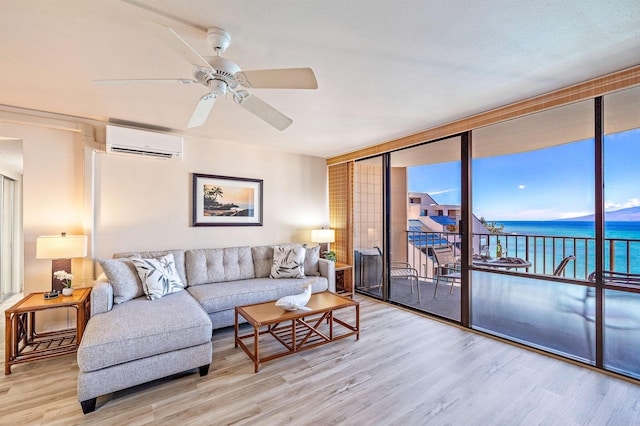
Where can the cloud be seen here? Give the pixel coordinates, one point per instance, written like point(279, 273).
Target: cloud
point(443, 191)
point(569, 215)
point(612, 205)
point(632, 202)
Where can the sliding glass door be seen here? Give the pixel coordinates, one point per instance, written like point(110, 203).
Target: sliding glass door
point(369, 229)
point(533, 194)
point(425, 213)
point(550, 256)
point(621, 294)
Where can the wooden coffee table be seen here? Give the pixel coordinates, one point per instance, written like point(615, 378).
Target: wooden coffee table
point(296, 331)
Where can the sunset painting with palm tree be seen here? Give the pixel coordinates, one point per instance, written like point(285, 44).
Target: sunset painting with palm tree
point(228, 200)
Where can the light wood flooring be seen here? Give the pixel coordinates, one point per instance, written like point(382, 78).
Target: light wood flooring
point(404, 370)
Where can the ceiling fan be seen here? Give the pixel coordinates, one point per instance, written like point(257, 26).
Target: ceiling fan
point(221, 76)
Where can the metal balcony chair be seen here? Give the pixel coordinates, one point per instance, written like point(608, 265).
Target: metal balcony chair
point(559, 271)
point(405, 270)
point(445, 261)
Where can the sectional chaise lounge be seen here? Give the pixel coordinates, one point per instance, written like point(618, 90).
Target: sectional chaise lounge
point(131, 339)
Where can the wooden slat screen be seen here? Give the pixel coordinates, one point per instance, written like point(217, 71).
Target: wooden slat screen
point(340, 210)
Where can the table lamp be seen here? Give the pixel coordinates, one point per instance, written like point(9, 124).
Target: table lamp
point(323, 236)
point(60, 249)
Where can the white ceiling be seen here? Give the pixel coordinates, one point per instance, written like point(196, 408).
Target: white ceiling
point(385, 69)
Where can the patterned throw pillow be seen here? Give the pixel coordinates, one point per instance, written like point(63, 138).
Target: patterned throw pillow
point(159, 276)
point(288, 262)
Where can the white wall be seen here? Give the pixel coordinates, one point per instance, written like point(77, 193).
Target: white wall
point(145, 203)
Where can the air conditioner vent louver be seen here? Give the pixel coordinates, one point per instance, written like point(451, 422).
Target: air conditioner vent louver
point(123, 140)
point(140, 152)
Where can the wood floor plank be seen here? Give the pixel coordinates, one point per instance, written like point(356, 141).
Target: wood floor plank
point(405, 369)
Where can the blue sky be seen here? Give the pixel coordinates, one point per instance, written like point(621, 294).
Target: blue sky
point(547, 184)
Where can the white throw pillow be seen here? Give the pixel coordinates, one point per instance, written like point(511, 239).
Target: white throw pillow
point(288, 262)
point(159, 276)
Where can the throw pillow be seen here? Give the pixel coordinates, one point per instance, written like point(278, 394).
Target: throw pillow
point(262, 260)
point(124, 279)
point(311, 260)
point(159, 276)
point(288, 262)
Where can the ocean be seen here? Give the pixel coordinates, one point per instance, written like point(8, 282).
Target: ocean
point(622, 248)
point(556, 228)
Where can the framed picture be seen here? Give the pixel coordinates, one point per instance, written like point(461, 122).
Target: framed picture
point(226, 201)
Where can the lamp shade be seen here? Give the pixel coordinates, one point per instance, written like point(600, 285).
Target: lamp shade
point(61, 246)
point(323, 235)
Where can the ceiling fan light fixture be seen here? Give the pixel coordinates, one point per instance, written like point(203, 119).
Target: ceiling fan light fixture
point(217, 87)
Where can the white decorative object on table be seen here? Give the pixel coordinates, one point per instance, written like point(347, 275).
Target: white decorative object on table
point(65, 278)
point(297, 302)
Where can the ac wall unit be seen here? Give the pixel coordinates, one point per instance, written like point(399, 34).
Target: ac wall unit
point(123, 140)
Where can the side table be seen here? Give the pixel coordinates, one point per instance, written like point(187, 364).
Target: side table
point(23, 344)
point(344, 279)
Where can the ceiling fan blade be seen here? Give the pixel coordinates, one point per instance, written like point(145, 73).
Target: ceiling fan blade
point(180, 45)
point(202, 110)
point(285, 78)
point(145, 81)
point(263, 110)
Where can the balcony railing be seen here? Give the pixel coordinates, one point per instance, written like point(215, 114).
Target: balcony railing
point(544, 252)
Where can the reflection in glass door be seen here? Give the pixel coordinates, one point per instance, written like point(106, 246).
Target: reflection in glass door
point(425, 242)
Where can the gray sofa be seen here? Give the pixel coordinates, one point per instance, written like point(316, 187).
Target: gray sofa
point(130, 340)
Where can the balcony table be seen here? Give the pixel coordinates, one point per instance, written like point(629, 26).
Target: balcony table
point(502, 262)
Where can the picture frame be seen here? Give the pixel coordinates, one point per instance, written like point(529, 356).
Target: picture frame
point(226, 201)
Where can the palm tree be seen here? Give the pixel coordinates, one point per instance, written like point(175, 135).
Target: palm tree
point(213, 193)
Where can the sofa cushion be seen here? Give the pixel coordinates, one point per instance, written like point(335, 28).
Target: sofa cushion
point(178, 256)
point(124, 279)
point(311, 260)
point(159, 276)
point(262, 260)
point(142, 328)
point(288, 262)
point(217, 265)
point(222, 296)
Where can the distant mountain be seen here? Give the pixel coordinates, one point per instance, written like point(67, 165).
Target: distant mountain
point(630, 214)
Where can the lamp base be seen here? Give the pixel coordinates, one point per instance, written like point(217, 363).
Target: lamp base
point(59, 265)
point(324, 247)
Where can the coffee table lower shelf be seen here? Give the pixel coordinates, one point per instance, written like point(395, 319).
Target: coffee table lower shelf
point(295, 331)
